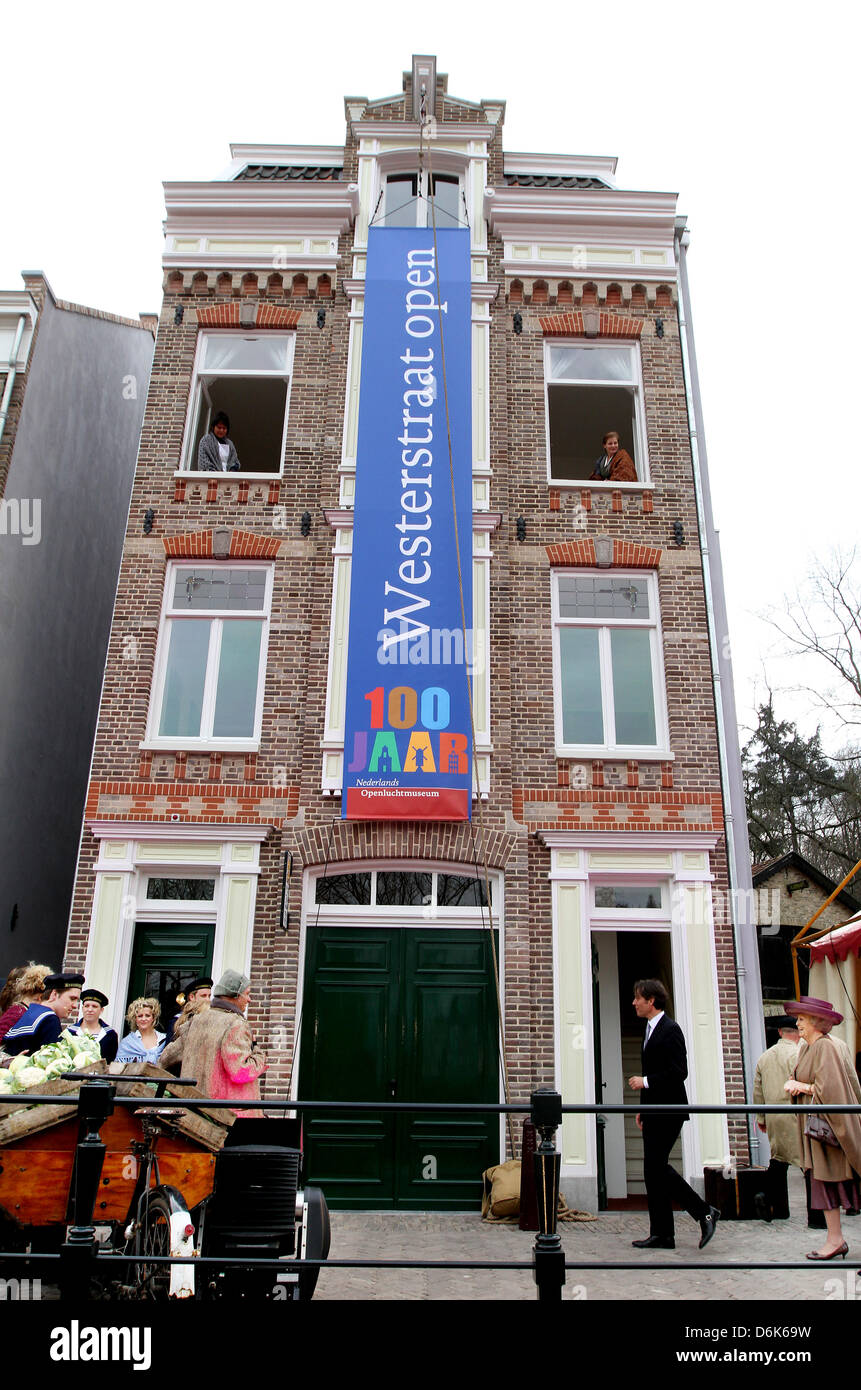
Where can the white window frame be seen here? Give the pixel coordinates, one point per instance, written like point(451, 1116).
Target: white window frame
point(652, 624)
point(413, 914)
point(170, 615)
point(641, 460)
point(423, 210)
point(630, 918)
point(188, 463)
point(197, 907)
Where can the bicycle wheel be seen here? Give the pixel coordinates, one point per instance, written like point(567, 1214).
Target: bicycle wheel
point(152, 1281)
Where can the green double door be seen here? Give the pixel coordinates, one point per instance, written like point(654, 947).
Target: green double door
point(399, 1014)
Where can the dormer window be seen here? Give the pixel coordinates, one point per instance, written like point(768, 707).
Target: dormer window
point(408, 201)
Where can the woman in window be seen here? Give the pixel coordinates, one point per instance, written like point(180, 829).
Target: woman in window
point(144, 1044)
point(615, 464)
point(216, 453)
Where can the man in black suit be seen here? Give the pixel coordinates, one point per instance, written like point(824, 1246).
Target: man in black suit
point(665, 1066)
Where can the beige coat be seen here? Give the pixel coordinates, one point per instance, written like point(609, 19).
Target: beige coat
point(217, 1049)
point(849, 1065)
point(823, 1064)
point(773, 1070)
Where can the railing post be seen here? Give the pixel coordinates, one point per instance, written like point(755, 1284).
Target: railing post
point(95, 1104)
point(548, 1257)
point(528, 1208)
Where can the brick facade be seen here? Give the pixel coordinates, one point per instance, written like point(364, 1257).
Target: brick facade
point(532, 791)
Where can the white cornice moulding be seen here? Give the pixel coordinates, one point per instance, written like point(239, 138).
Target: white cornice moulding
point(409, 131)
point(243, 260)
point(606, 271)
point(561, 165)
point(534, 214)
point(163, 832)
point(322, 156)
point(250, 208)
point(249, 194)
point(486, 521)
point(18, 302)
point(626, 839)
point(15, 305)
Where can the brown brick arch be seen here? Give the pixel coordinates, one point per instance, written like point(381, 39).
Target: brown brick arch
point(227, 316)
point(626, 554)
point(570, 325)
point(348, 841)
point(244, 545)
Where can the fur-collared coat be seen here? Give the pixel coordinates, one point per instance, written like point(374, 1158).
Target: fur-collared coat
point(822, 1065)
point(209, 458)
point(218, 1051)
point(773, 1070)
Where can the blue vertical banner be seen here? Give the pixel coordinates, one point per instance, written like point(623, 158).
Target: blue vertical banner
point(408, 742)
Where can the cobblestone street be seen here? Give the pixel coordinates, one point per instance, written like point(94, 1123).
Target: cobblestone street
point(417, 1235)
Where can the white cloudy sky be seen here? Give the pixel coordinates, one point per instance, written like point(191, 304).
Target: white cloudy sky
point(745, 110)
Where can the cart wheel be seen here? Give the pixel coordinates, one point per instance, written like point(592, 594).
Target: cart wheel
point(162, 1223)
point(315, 1239)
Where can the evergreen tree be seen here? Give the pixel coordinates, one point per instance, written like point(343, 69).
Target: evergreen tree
point(799, 799)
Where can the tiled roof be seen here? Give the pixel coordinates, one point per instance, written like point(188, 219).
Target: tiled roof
point(552, 181)
point(289, 172)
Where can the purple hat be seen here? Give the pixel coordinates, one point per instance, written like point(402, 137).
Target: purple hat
point(814, 1008)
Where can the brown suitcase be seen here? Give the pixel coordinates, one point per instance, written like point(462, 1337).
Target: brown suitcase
point(733, 1191)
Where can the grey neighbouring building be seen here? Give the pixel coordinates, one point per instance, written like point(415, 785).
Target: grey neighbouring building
point(73, 385)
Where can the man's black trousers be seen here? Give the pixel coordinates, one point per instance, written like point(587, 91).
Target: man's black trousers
point(663, 1184)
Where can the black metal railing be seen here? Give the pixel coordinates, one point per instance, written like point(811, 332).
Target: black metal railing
point(81, 1255)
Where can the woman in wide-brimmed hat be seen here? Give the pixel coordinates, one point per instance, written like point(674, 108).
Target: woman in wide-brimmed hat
point(834, 1158)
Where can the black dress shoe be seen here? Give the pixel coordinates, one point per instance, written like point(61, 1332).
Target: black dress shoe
point(708, 1225)
point(655, 1243)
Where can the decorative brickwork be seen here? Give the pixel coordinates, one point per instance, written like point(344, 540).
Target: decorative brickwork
point(267, 315)
point(571, 324)
point(193, 803)
point(244, 545)
point(607, 805)
point(626, 554)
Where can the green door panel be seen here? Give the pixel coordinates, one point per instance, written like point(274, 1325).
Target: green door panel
point(350, 1014)
point(404, 1014)
point(164, 958)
